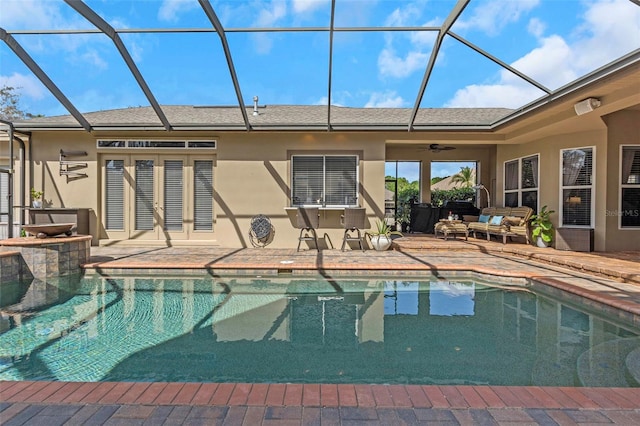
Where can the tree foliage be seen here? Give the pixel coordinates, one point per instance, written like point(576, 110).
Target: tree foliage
point(10, 105)
point(465, 177)
point(439, 196)
point(406, 191)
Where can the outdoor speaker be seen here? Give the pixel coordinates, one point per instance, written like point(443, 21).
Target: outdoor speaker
point(586, 105)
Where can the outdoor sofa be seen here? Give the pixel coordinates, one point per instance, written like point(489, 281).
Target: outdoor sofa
point(501, 221)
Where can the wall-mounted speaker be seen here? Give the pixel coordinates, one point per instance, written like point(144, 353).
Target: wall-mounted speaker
point(586, 105)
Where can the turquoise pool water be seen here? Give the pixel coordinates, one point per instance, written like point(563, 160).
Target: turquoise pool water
point(310, 329)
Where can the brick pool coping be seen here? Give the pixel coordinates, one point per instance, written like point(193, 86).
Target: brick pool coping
point(319, 395)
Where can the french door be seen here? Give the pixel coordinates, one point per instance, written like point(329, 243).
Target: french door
point(158, 197)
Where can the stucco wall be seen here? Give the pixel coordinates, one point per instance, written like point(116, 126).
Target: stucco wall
point(73, 191)
point(623, 129)
point(251, 176)
point(550, 169)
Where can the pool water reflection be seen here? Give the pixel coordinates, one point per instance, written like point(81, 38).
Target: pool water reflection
point(306, 330)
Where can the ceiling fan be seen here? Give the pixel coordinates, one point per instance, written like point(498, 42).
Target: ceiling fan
point(436, 147)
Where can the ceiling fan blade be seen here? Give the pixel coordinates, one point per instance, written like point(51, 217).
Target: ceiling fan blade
point(436, 147)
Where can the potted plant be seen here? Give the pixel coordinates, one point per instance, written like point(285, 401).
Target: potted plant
point(542, 227)
point(36, 197)
point(381, 237)
point(403, 217)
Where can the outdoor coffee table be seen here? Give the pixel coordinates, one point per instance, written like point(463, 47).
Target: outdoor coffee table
point(448, 227)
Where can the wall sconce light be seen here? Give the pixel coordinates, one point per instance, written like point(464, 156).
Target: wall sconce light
point(586, 105)
point(481, 186)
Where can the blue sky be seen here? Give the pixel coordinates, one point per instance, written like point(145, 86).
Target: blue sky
point(552, 41)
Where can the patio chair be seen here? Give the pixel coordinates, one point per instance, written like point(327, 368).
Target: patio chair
point(308, 220)
point(353, 220)
point(260, 230)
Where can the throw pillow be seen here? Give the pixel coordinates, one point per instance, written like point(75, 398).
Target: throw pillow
point(513, 220)
point(484, 218)
point(496, 220)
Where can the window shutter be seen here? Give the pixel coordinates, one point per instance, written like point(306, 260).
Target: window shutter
point(308, 183)
point(203, 195)
point(341, 181)
point(144, 195)
point(173, 185)
point(114, 195)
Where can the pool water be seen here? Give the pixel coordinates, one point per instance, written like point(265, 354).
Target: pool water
point(306, 330)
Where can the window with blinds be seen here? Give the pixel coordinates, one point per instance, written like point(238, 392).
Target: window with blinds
point(630, 187)
point(326, 180)
point(577, 187)
point(521, 182)
point(173, 196)
point(114, 195)
point(203, 195)
point(144, 195)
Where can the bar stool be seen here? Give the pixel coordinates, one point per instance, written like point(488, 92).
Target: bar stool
point(308, 220)
point(353, 220)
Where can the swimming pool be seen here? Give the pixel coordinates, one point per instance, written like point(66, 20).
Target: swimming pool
point(198, 328)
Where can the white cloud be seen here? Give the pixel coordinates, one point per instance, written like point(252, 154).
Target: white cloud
point(24, 85)
point(271, 14)
point(548, 64)
point(536, 27)
point(267, 17)
point(605, 34)
point(307, 6)
point(417, 45)
point(92, 57)
point(491, 17)
point(171, 9)
point(404, 16)
point(497, 95)
point(19, 14)
point(388, 99)
point(611, 28)
point(390, 64)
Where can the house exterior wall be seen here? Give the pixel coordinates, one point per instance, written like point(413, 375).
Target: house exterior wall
point(620, 128)
point(43, 148)
point(251, 176)
point(623, 128)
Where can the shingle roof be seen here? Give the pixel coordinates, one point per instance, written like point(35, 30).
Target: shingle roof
point(274, 116)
